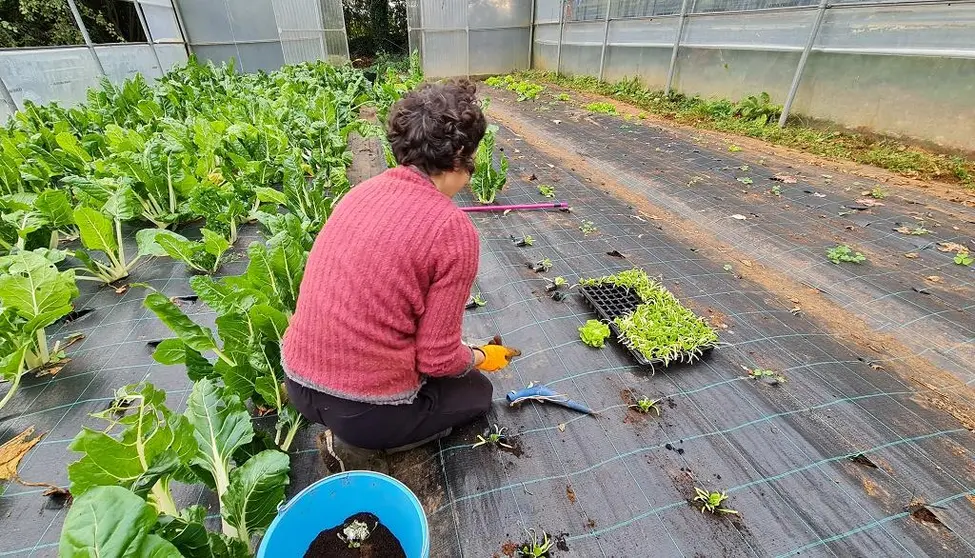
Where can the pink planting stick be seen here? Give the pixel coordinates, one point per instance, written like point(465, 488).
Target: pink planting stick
point(526, 206)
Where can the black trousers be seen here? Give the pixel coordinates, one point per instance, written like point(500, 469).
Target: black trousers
point(442, 403)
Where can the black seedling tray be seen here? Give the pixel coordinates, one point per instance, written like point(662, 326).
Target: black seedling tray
point(610, 302)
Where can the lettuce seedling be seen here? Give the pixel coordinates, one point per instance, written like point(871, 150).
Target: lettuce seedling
point(712, 502)
point(843, 253)
point(546, 191)
point(645, 405)
point(594, 333)
point(536, 546)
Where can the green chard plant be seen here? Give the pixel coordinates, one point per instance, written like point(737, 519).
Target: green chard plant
point(208, 445)
point(487, 180)
point(34, 294)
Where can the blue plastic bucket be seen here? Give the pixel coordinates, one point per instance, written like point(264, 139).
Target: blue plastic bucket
point(330, 501)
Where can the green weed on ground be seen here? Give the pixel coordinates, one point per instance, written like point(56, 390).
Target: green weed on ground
point(756, 116)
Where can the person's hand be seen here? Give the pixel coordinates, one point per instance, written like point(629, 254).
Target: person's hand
point(496, 355)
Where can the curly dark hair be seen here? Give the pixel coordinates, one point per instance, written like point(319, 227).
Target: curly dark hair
point(437, 127)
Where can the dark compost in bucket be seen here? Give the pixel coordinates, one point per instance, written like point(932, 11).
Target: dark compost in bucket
point(381, 542)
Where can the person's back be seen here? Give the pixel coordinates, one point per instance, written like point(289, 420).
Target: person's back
point(369, 275)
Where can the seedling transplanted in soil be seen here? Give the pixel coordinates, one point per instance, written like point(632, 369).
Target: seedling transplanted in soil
point(660, 328)
point(594, 333)
point(770, 377)
point(536, 546)
point(524, 241)
point(541, 266)
point(601, 108)
point(476, 301)
point(964, 259)
point(712, 502)
point(546, 190)
point(645, 405)
point(556, 284)
point(843, 253)
point(587, 227)
point(494, 436)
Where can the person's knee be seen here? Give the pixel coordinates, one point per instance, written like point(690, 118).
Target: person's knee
point(483, 391)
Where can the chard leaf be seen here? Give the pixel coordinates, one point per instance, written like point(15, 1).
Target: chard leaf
point(147, 241)
point(110, 521)
point(97, 230)
point(72, 146)
point(189, 535)
point(270, 195)
point(195, 336)
point(269, 320)
point(213, 243)
point(55, 207)
point(170, 351)
point(123, 204)
point(256, 490)
point(32, 285)
point(177, 247)
point(220, 425)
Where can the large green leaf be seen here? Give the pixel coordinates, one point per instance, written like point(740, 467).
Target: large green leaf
point(55, 207)
point(256, 490)
point(147, 241)
point(189, 535)
point(153, 444)
point(32, 285)
point(123, 204)
point(111, 522)
point(213, 243)
point(195, 336)
point(220, 425)
point(72, 146)
point(177, 247)
point(97, 230)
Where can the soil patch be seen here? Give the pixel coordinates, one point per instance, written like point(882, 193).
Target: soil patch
point(380, 542)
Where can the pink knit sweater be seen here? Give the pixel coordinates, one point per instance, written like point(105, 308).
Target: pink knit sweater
point(382, 300)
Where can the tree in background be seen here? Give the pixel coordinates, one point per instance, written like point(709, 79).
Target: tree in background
point(33, 23)
point(374, 27)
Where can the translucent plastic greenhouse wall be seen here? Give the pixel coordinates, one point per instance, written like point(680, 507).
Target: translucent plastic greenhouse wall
point(64, 74)
point(885, 66)
point(265, 34)
point(470, 38)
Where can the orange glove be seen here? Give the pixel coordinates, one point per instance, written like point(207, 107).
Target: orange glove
point(496, 357)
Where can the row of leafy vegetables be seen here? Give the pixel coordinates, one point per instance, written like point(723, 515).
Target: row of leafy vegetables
point(209, 148)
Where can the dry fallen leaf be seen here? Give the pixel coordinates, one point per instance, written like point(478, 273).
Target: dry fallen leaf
point(952, 247)
point(746, 263)
point(903, 230)
point(795, 310)
point(570, 494)
point(561, 427)
point(934, 278)
point(911, 255)
point(785, 178)
point(122, 289)
point(739, 216)
point(13, 450)
point(869, 202)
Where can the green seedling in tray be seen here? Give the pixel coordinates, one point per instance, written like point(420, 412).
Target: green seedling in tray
point(843, 253)
point(645, 405)
point(660, 329)
point(536, 546)
point(494, 436)
point(712, 502)
point(594, 333)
